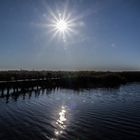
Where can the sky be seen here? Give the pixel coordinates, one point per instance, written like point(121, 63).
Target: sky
point(105, 35)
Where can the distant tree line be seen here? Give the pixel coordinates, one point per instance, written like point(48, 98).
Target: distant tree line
point(72, 78)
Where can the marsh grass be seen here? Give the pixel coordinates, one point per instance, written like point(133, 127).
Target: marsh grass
point(66, 79)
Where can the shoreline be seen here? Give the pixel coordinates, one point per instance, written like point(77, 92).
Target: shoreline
point(66, 79)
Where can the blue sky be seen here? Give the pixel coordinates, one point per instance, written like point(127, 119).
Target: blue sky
point(106, 35)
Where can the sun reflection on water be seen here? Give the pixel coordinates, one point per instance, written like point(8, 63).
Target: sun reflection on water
point(60, 122)
point(62, 117)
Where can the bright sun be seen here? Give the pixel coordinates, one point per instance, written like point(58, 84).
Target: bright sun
point(61, 25)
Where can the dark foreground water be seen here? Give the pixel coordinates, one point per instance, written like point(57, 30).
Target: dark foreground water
point(95, 114)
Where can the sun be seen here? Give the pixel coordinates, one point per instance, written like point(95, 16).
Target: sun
point(62, 25)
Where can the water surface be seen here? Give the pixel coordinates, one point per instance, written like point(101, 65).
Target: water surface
point(64, 114)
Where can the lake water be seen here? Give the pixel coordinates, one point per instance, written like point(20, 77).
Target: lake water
point(64, 114)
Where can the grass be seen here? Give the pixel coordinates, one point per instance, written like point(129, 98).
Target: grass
point(66, 79)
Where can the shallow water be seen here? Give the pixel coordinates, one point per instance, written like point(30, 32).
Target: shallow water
point(94, 114)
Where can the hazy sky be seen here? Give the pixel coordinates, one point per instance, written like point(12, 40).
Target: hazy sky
point(106, 35)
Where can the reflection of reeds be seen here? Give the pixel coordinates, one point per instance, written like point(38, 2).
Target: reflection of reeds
point(16, 83)
point(14, 94)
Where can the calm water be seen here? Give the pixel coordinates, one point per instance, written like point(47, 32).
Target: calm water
point(95, 114)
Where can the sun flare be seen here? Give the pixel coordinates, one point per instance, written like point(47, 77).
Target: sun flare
point(61, 25)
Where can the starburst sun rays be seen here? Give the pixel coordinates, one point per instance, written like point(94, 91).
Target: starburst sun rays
point(62, 25)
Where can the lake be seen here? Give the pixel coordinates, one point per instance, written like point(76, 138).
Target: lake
point(66, 114)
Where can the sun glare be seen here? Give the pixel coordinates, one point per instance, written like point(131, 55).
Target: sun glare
point(62, 25)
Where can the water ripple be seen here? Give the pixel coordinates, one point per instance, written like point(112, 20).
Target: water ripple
point(66, 114)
